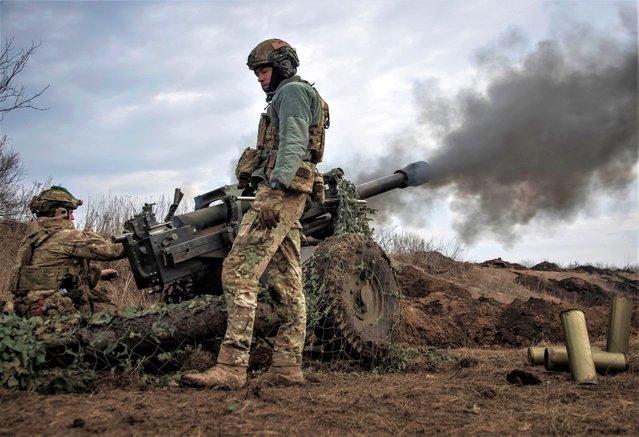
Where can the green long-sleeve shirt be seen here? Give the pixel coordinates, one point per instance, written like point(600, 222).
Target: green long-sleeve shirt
point(294, 108)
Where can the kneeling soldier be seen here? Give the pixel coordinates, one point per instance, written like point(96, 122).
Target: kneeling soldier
point(52, 275)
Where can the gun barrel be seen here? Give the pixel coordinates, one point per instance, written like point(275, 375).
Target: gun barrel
point(119, 238)
point(412, 175)
point(203, 218)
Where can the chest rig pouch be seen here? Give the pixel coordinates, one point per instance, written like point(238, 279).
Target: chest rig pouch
point(307, 179)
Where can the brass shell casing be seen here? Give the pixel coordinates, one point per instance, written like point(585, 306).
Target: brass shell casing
point(556, 358)
point(537, 354)
point(582, 365)
point(619, 324)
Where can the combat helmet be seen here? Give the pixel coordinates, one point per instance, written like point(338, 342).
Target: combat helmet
point(276, 53)
point(55, 197)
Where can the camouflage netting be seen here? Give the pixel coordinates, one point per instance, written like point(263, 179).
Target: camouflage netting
point(352, 309)
point(352, 294)
point(63, 354)
point(352, 216)
point(353, 301)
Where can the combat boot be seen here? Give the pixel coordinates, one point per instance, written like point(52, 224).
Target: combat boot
point(283, 376)
point(221, 376)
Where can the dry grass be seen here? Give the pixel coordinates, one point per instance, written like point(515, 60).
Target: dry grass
point(10, 235)
point(432, 256)
point(122, 290)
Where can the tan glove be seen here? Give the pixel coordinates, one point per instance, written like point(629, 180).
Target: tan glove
point(270, 208)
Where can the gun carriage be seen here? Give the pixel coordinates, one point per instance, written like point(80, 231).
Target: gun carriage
point(182, 256)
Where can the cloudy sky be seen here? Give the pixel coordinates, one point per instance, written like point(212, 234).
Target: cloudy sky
point(526, 110)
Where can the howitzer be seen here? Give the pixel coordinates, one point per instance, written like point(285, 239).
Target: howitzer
point(183, 255)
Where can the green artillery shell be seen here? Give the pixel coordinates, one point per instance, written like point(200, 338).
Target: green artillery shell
point(556, 358)
point(582, 365)
point(619, 324)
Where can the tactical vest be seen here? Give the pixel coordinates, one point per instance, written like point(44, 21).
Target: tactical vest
point(268, 141)
point(26, 277)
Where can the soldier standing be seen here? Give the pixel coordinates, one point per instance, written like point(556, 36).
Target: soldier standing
point(282, 168)
point(52, 275)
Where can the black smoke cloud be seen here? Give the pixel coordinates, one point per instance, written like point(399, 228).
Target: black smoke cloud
point(548, 134)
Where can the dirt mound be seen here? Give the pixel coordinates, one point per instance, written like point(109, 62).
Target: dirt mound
point(499, 263)
point(530, 322)
point(537, 283)
point(446, 320)
point(628, 286)
point(429, 261)
point(571, 289)
point(592, 270)
point(439, 312)
point(584, 292)
point(415, 282)
point(546, 266)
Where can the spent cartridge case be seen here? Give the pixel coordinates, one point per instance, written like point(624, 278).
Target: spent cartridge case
point(582, 365)
point(556, 358)
point(619, 324)
point(537, 354)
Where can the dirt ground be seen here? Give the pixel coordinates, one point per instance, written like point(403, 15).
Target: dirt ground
point(468, 326)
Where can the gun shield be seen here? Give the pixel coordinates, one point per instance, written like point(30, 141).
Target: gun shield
point(619, 324)
point(582, 365)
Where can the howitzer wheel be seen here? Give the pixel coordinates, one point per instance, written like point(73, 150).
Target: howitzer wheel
point(353, 298)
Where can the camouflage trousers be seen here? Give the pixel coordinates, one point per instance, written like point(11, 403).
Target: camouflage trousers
point(44, 303)
point(99, 301)
point(52, 303)
point(254, 250)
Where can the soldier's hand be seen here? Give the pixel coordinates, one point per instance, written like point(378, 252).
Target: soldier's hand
point(270, 206)
point(108, 274)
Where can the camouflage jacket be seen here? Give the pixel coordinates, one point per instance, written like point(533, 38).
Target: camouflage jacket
point(52, 251)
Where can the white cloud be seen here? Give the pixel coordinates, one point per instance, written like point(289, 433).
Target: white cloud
point(178, 97)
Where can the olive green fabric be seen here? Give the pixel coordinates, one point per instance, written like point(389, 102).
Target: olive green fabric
point(294, 109)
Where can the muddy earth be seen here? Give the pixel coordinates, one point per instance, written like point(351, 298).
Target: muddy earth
point(464, 334)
